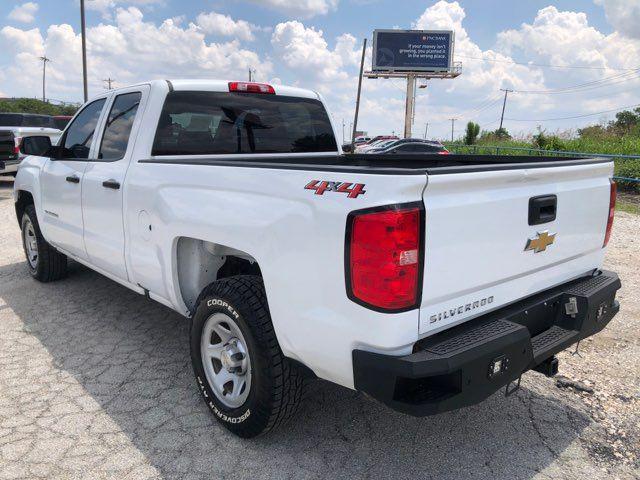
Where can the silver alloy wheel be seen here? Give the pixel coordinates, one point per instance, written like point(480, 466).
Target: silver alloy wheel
point(226, 361)
point(30, 243)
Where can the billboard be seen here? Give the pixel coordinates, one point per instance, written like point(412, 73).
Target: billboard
point(412, 50)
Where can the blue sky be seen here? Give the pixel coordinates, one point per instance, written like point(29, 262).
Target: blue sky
point(315, 44)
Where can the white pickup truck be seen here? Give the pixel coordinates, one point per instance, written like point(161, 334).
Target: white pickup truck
point(426, 281)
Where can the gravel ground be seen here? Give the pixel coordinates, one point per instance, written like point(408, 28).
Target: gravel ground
point(96, 382)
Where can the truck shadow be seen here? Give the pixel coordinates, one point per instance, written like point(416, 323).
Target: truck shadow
point(131, 357)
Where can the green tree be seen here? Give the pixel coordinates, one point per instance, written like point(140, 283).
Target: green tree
point(471, 135)
point(502, 134)
point(32, 105)
point(626, 120)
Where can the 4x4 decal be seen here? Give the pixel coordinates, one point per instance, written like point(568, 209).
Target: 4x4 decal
point(351, 189)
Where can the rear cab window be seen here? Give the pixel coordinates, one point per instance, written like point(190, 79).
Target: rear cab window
point(224, 123)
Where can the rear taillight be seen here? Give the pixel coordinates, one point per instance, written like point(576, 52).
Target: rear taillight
point(612, 211)
point(384, 252)
point(17, 142)
point(443, 152)
point(247, 87)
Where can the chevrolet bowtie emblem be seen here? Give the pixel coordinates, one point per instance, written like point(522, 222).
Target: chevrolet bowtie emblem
point(540, 242)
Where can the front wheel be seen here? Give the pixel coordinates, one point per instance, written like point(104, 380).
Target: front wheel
point(45, 262)
point(242, 374)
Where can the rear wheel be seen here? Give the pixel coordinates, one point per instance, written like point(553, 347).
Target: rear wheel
point(45, 263)
point(242, 374)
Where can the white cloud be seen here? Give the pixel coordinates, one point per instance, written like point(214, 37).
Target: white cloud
point(623, 15)
point(24, 13)
point(106, 7)
point(129, 51)
point(300, 8)
point(219, 24)
point(566, 38)
point(305, 51)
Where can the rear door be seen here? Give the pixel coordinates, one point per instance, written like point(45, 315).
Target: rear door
point(60, 181)
point(102, 192)
point(482, 249)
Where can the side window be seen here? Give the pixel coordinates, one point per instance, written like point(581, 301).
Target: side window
point(404, 148)
point(118, 128)
point(77, 140)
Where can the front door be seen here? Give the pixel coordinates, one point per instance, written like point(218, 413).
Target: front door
point(103, 182)
point(60, 180)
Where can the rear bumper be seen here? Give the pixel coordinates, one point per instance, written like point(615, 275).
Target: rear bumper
point(9, 165)
point(466, 364)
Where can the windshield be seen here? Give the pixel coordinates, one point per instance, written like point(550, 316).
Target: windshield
point(208, 123)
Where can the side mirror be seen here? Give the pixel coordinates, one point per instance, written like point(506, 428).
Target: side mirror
point(347, 148)
point(37, 145)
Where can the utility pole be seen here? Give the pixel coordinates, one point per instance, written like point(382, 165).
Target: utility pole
point(109, 82)
point(453, 121)
point(343, 131)
point(252, 72)
point(355, 119)
point(504, 104)
point(426, 129)
point(410, 104)
point(44, 76)
point(84, 51)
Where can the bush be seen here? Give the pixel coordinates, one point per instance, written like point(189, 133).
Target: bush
point(548, 142)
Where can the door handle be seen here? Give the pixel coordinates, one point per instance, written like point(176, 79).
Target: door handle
point(111, 184)
point(73, 179)
point(542, 209)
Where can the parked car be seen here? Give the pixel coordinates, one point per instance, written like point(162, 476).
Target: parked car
point(409, 145)
point(368, 146)
point(415, 147)
point(14, 128)
point(428, 283)
point(61, 121)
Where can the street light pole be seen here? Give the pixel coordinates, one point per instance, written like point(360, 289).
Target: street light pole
point(44, 76)
point(453, 121)
point(84, 51)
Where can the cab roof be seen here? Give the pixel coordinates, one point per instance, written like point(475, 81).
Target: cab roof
point(223, 86)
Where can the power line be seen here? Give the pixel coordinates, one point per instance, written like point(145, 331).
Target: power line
point(544, 65)
point(581, 87)
point(571, 117)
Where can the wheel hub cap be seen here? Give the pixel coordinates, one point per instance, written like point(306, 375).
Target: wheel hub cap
point(226, 361)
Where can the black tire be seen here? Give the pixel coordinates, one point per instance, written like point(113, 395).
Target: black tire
point(276, 383)
point(50, 264)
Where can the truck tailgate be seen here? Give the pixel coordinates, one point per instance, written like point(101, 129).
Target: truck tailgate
point(478, 231)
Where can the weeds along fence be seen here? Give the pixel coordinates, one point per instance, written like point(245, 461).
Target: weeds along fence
point(627, 167)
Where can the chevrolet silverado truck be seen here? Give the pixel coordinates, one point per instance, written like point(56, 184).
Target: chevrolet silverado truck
point(427, 282)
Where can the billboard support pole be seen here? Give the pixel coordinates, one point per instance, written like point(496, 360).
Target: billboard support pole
point(355, 119)
point(409, 104)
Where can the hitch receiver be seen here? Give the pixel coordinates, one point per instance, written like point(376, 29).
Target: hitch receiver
point(549, 367)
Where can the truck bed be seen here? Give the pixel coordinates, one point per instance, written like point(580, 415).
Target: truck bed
point(383, 164)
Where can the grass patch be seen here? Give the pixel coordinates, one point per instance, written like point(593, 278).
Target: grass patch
point(623, 205)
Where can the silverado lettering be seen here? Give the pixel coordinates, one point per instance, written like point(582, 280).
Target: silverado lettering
point(452, 312)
